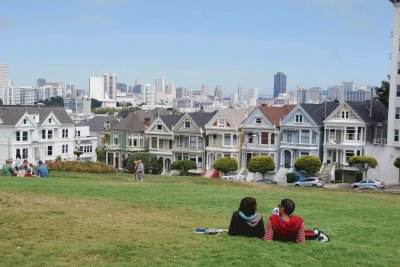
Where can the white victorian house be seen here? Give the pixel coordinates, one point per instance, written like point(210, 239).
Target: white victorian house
point(190, 138)
point(161, 139)
point(349, 129)
point(41, 133)
point(224, 134)
point(261, 130)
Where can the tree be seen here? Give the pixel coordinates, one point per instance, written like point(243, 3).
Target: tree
point(53, 101)
point(383, 92)
point(225, 165)
point(150, 162)
point(363, 163)
point(94, 103)
point(183, 166)
point(261, 164)
point(397, 165)
point(101, 154)
point(106, 139)
point(308, 164)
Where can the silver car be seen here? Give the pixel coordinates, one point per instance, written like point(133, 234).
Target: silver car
point(310, 182)
point(370, 184)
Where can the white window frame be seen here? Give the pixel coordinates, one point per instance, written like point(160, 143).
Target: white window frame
point(299, 118)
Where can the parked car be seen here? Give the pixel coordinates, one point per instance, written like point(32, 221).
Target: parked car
point(266, 181)
point(370, 184)
point(310, 182)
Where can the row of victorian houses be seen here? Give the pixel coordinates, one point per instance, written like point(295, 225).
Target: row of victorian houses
point(331, 131)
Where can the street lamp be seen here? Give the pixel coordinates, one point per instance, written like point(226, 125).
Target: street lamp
point(245, 154)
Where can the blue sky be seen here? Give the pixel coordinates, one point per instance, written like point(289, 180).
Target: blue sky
point(315, 42)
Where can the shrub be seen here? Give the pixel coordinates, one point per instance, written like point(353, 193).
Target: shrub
point(79, 166)
point(183, 166)
point(363, 163)
point(261, 164)
point(150, 162)
point(290, 177)
point(58, 158)
point(101, 154)
point(359, 176)
point(308, 164)
point(338, 175)
point(225, 165)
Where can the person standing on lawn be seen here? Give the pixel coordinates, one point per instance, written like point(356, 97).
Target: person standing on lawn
point(140, 170)
point(282, 225)
point(246, 221)
point(135, 166)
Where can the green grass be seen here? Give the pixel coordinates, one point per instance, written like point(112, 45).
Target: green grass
point(74, 219)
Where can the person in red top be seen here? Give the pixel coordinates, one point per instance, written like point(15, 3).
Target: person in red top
point(282, 225)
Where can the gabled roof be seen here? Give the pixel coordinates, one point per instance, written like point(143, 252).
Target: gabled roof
point(202, 118)
point(319, 112)
point(362, 108)
point(236, 116)
point(97, 123)
point(170, 120)
point(10, 115)
point(275, 114)
point(135, 121)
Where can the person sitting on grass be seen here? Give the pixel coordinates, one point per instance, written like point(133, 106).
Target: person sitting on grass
point(8, 169)
point(42, 169)
point(28, 172)
point(246, 221)
point(285, 227)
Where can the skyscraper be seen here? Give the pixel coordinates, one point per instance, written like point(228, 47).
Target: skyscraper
point(253, 96)
point(3, 80)
point(160, 85)
point(41, 82)
point(240, 90)
point(279, 83)
point(349, 86)
point(110, 85)
point(394, 93)
point(219, 93)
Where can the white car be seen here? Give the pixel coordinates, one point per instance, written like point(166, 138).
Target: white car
point(370, 184)
point(310, 182)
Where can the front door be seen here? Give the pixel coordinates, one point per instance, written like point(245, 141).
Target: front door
point(334, 156)
point(288, 159)
point(117, 162)
point(167, 166)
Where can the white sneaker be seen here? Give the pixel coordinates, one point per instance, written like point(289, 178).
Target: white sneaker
point(323, 237)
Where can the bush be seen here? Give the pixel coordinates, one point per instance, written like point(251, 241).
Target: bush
point(183, 166)
point(290, 177)
point(225, 165)
point(338, 175)
point(58, 158)
point(150, 162)
point(308, 164)
point(79, 166)
point(101, 154)
point(261, 164)
point(359, 176)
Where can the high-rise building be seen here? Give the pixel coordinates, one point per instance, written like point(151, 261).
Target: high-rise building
point(205, 91)
point(122, 87)
point(279, 83)
point(335, 93)
point(393, 134)
point(159, 85)
point(253, 96)
point(110, 85)
point(349, 86)
point(41, 82)
point(219, 93)
point(96, 88)
point(149, 95)
point(240, 91)
point(3, 80)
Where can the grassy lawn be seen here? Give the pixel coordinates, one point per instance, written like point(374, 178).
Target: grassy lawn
point(75, 219)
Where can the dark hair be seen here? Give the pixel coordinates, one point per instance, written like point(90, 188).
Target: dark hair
point(248, 206)
point(288, 205)
point(25, 161)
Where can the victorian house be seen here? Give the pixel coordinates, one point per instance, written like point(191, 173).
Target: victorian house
point(302, 132)
point(350, 129)
point(190, 138)
point(224, 134)
point(261, 130)
point(161, 139)
point(42, 133)
point(128, 136)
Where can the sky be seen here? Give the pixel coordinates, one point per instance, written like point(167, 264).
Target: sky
point(189, 43)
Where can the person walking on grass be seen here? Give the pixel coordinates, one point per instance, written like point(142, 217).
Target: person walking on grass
point(285, 227)
point(140, 170)
point(135, 166)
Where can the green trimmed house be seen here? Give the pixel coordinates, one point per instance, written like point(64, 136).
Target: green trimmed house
point(128, 136)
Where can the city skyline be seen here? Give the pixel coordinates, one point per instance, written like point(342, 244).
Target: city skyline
point(198, 43)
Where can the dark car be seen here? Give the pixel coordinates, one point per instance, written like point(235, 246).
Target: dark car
point(266, 181)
